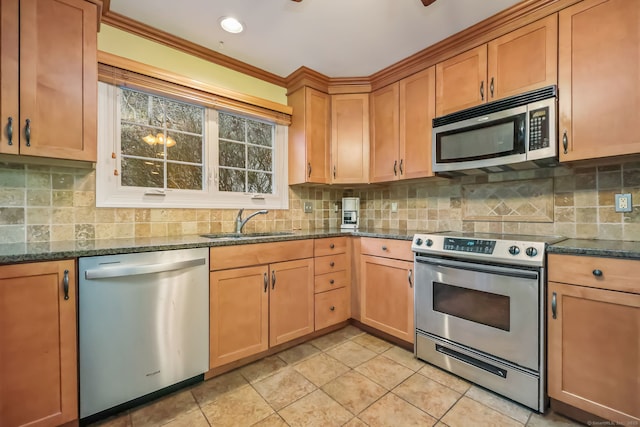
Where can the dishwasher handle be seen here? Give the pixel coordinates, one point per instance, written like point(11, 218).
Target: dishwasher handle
point(133, 270)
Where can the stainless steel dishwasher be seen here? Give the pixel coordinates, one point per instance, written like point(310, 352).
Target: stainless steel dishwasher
point(143, 326)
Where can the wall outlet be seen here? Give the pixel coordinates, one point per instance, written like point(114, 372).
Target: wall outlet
point(623, 202)
point(308, 207)
point(394, 206)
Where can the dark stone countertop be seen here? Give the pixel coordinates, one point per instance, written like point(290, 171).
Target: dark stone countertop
point(47, 251)
point(601, 248)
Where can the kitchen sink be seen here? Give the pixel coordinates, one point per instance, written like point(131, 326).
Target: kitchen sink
point(247, 235)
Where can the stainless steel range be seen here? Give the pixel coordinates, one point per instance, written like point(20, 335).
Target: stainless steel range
point(479, 309)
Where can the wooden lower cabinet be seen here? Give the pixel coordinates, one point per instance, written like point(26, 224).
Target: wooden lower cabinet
point(38, 350)
point(253, 308)
point(387, 295)
point(594, 351)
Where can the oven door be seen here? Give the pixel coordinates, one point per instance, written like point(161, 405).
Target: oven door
point(490, 308)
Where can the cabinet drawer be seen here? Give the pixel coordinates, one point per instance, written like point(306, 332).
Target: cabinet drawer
point(329, 281)
point(327, 264)
point(224, 257)
point(330, 246)
point(595, 272)
point(331, 307)
point(388, 248)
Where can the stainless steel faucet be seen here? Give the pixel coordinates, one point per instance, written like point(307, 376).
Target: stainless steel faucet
point(241, 222)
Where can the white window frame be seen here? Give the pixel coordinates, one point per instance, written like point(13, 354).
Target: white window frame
point(109, 192)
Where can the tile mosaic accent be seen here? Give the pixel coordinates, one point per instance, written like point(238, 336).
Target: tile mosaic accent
point(523, 201)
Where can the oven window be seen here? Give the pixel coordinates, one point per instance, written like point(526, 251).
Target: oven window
point(476, 306)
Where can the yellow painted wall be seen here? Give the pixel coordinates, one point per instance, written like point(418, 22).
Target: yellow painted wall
point(118, 42)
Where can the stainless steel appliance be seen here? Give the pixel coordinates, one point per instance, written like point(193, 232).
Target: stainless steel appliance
point(479, 309)
point(350, 213)
point(514, 133)
point(143, 326)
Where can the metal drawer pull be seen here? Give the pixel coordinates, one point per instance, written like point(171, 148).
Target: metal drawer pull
point(331, 264)
point(331, 246)
point(331, 282)
point(597, 273)
point(410, 278)
point(334, 171)
point(65, 284)
point(384, 248)
point(565, 142)
point(309, 169)
point(554, 305)
point(266, 283)
point(273, 279)
point(332, 308)
point(10, 131)
point(27, 132)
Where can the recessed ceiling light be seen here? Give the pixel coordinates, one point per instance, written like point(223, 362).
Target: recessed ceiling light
point(231, 25)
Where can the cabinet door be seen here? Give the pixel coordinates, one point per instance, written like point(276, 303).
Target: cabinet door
point(9, 76)
point(524, 59)
point(38, 352)
point(417, 109)
point(239, 314)
point(460, 81)
point(58, 79)
point(309, 136)
point(599, 79)
point(350, 138)
point(594, 350)
point(385, 133)
point(387, 296)
point(291, 307)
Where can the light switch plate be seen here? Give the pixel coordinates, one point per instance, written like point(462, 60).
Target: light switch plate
point(394, 206)
point(623, 202)
point(308, 207)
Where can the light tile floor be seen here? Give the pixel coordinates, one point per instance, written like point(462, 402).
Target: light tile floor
point(347, 378)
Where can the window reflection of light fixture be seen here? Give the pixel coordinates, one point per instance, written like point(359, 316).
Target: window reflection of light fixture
point(159, 140)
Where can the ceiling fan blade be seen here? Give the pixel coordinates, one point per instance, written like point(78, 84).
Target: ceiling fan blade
point(427, 2)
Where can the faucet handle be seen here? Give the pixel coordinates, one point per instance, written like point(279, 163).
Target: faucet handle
point(240, 213)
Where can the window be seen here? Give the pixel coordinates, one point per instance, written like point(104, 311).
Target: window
point(158, 151)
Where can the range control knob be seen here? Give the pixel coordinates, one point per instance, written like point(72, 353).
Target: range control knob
point(531, 251)
point(418, 241)
point(514, 250)
point(429, 242)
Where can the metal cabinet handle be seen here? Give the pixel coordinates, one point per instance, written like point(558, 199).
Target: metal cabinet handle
point(597, 273)
point(266, 282)
point(273, 279)
point(395, 168)
point(27, 132)
point(410, 278)
point(491, 87)
point(401, 168)
point(565, 142)
point(65, 284)
point(482, 90)
point(309, 169)
point(331, 264)
point(554, 305)
point(384, 248)
point(334, 171)
point(331, 282)
point(10, 130)
point(332, 308)
point(331, 246)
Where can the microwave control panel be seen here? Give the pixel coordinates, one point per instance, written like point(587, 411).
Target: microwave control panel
point(539, 128)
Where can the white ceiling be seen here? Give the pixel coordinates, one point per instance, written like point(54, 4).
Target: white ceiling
point(338, 38)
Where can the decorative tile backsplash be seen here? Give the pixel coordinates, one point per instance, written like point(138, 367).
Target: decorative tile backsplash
point(50, 203)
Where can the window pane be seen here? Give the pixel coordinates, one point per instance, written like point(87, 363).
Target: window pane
point(260, 158)
point(231, 180)
point(259, 133)
point(260, 182)
point(186, 177)
point(231, 127)
point(134, 107)
point(232, 154)
point(142, 173)
point(184, 117)
point(133, 144)
point(188, 148)
point(158, 108)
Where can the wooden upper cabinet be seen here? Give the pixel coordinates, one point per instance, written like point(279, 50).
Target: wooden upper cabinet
point(38, 350)
point(309, 136)
point(56, 41)
point(417, 109)
point(350, 138)
point(523, 60)
point(599, 79)
point(385, 124)
point(460, 81)
point(520, 61)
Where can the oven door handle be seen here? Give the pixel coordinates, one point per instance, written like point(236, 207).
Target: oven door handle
point(480, 268)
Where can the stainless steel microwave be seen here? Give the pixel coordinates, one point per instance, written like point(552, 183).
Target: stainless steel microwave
point(509, 134)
